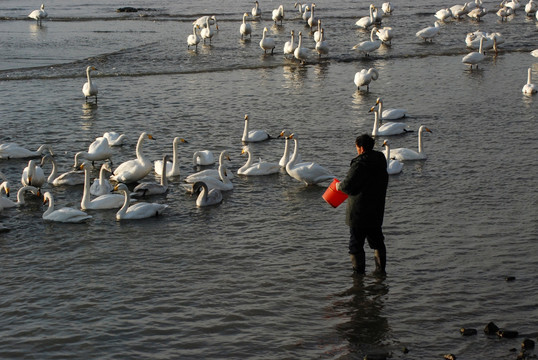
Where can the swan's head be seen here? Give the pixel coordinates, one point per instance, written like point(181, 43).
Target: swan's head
point(385, 143)
point(424, 128)
point(5, 186)
point(47, 196)
point(178, 140)
point(106, 166)
point(90, 68)
point(264, 30)
point(245, 14)
point(292, 33)
point(85, 165)
point(197, 186)
point(379, 101)
point(283, 134)
point(121, 187)
point(246, 115)
point(372, 109)
point(245, 150)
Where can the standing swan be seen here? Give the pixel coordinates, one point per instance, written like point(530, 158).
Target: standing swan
point(89, 88)
point(99, 149)
point(145, 189)
point(206, 197)
point(256, 11)
point(66, 214)
point(259, 168)
point(321, 46)
point(38, 14)
point(403, 154)
point(289, 46)
point(474, 57)
point(139, 210)
point(207, 32)
point(312, 21)
point(364, 77)
point(308, 172)
point(106, 201)
point(172, 168)
point(393, 166)
point(136, 169)
point(367, 21)
point(430, 32)
point(300, 53)
point(15, 151)
point(245, 28)
point(529, 88)
point(278, 14)
point(253, 135)
point(267, 43)
point(368, 46)
point(193, 39)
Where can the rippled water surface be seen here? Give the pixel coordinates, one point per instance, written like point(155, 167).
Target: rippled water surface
point(266, 273)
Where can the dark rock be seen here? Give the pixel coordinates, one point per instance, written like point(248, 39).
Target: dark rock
point(491, 328)
point(376, 356)
point(468, 332)
point(509, 334)
point(450, 357)
point(405, 350)
point(527, 344)
point(4, 229)
point(127, 9)
point(510, 278)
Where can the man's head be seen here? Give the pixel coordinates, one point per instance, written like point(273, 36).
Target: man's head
point(364, 143)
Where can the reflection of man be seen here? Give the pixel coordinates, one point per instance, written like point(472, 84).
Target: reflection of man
point(366, 184)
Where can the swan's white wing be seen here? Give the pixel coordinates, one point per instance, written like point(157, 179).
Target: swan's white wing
point(144, 210)
point(67, 215)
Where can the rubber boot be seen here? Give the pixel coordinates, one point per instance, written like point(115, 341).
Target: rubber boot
point(380, 262)
point(358, 263)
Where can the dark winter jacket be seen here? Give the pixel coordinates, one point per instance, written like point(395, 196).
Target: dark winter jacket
point(366, 184)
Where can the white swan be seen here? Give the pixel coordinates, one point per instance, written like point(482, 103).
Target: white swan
point(443, 14)
point(513, 4)
point(203, 157)
point(430, 32)
point(317, 33)
point(89, 88)
point(38, 14)
point(389, 114)
point(20, 196)
point(474, 57)
point(308, 172)
point(368, 46)
point(146, 189)
point(387, 8)
point(393, 166)
point(367, 21)
point(256, 11)
point(312, 21)
point(459, 10)
point(207, 32)
point(106, 201)
point(33, 175)
point(15, 151)
point(193, 39)
point(98, 150)
point(504, 12)
point(300, 7)
point(300, 53)
point(533, 53)
point(136, 169)
point(267, 43)
point(287, 155)
point(322, 47)
point(472, 40)
point(245, 28)
point(289, 46)
point(66, 214)
point(253, 135)
point(388, 128)
point(223, 183)
point(203, 21)
point(139, 210)
point(385, 34)
point(101, 185)
point(531, 7)
point(172, 168)
point(529, 88)
point(477, 13)
point(404, 154)
point(258, 168)
point(70, 178)
point(364, 77)
point(306, 14)
point(113, 138)
point(278, 14)
point(4, 201)
point(206, 197)
point(213, 172)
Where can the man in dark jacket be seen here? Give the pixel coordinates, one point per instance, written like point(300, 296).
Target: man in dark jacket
point(366, 185)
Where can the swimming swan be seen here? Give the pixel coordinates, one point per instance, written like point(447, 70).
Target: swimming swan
point(393, 166)
point(403, 154)
point(172, 168)
point(206, 197)
point(33, 175)
point(70, 178)
point(89, 88)
point(308, 172)
point(259, 168)
point(389, 114)
point(145, 189)
point(15, 151)
point(388, 128)
point(106, 201)
point(203, 157)
point(101, 185)
point(253, 135)
point(136, 169)
point(66, 214)
point(213, 172)
point(113, 138)
point(139, 210)
point(7, 203)
point(223, 183)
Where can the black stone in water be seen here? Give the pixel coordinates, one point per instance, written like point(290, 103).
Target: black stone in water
point(527, 344)
point(509, 334)
point(468, 332)
point(510, 278)
point(491, 328)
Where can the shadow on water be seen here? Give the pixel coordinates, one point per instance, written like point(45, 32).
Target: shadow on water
point(361, 308)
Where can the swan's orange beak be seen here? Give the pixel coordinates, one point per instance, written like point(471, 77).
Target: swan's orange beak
point(371, 109)
point(151, 137)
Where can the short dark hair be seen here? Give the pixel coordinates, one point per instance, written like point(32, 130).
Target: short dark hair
point(366, 141)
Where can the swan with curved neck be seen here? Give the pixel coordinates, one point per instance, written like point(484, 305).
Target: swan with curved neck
point(368, 46)
point(207, 32)
point(223, 183)
point(106, 201)
point(430, 32)
point(214, 173)
point(139, 210)
point(136, 169)
point(101, 185)
point(308, 172)
point(65, 214)
point(15, 151)
point(98, 150)
point(146, 189)
point(113, 138)
point(70, 178)
point(388, 128)
point(172, 168)
point(203, 157)
point(393, 166)
point(33, 175)
point(365, 77)
point(253, 135)
point(278, 14)
point(89, 89)
point(258, 168)
point(206, 197)
point(403, 154)
point(7, 203)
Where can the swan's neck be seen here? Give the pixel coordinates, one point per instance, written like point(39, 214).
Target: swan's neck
point(293, 159)
point(286, 155)
point(101, 175)
point(86, 192)
point(481, 44)
point(222, 174)
point(202, 197)
point(139, 153)
point(54, 171)
point(88, 76)
point(245, 130)
point(121, 212)
point(51, 205)
point(376, 124)
point(371, 13)
point(380, 111)
point(387, 153)
point(372, 34)
point(164, 178)
point(194, 30)
point(175, 163)
point(300, 41)
point(420, 141)
point(529, 76)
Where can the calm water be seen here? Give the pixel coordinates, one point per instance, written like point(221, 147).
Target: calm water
point(266, 273)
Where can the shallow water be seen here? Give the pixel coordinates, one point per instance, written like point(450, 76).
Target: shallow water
point(266, 273)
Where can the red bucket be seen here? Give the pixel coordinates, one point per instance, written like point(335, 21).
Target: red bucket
point(333, 196)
